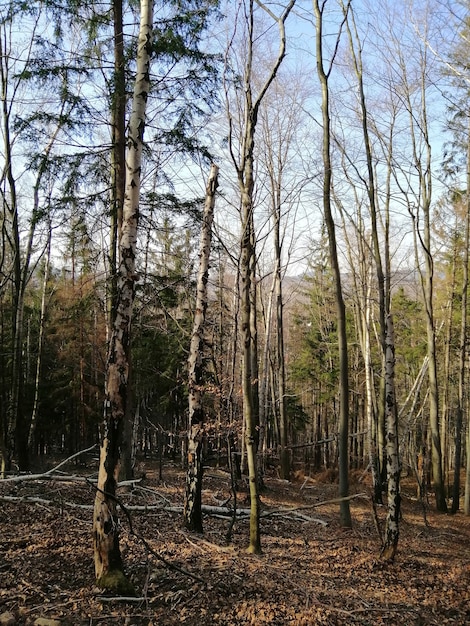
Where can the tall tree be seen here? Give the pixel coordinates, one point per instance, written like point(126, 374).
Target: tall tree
point(282, 122)
point(420, 209)
point(244, 166)
point(392, 529)
point(108, 561)
point(381, 256)
point(118, 101)
point(30, 136)
point(192, 505)
point(343, 438)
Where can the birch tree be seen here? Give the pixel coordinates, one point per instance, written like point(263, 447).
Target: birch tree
point(192, 505)
point(392, 530)
point(108, 561)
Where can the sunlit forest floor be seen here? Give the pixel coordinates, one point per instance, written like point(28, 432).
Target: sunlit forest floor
point(311, 571)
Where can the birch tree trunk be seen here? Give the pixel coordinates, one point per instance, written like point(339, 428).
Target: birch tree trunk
point(108, 560)
point(118, 182)
point(366, 320)
point(42, 325)
point(192, 505)
point(393, 458)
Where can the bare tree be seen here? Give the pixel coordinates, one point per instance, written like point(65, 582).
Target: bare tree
point(380, 250)
point(244, 166)
point(419, 202)
point(343, 439)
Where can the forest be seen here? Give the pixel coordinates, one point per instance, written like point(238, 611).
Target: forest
point(234, 318)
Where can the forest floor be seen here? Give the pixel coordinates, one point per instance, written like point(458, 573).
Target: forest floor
point(311, 571)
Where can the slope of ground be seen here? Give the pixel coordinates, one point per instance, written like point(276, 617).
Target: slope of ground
point(311, 571)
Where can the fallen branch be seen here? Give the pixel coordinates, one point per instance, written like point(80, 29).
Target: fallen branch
point(217, 511)
point(293, 514)
point(48, 475)
point(44, 502)
point(315, 505)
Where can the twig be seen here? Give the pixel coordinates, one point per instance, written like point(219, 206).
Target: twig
point(376, 520)
point(210, 546)
point(119, 599)
point(233, 487)
point(295, 516)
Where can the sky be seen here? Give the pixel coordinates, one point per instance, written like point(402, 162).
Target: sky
point(293, 102)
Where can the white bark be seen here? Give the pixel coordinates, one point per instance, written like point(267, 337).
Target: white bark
point(393, 459)
point(42, 325)
point(105, 531)
point(192, 507)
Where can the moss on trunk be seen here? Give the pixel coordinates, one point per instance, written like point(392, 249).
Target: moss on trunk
point(116, 582)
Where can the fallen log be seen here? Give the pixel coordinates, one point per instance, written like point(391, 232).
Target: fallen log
point(207, 509)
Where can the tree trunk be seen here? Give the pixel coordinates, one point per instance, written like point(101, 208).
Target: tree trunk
point(462, 362)
point(247, 380)
point(245, 174)
point(423, 165)
point(108, 561)
point(192, 506)
point(436, 450)
point(371, 413)
point(343, 438)
point(281, 383)
point(393, 458)
point(118, 182)
point(42, 325)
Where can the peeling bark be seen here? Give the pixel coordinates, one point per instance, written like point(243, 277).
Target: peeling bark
point(393, 460)
point(108, 561)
